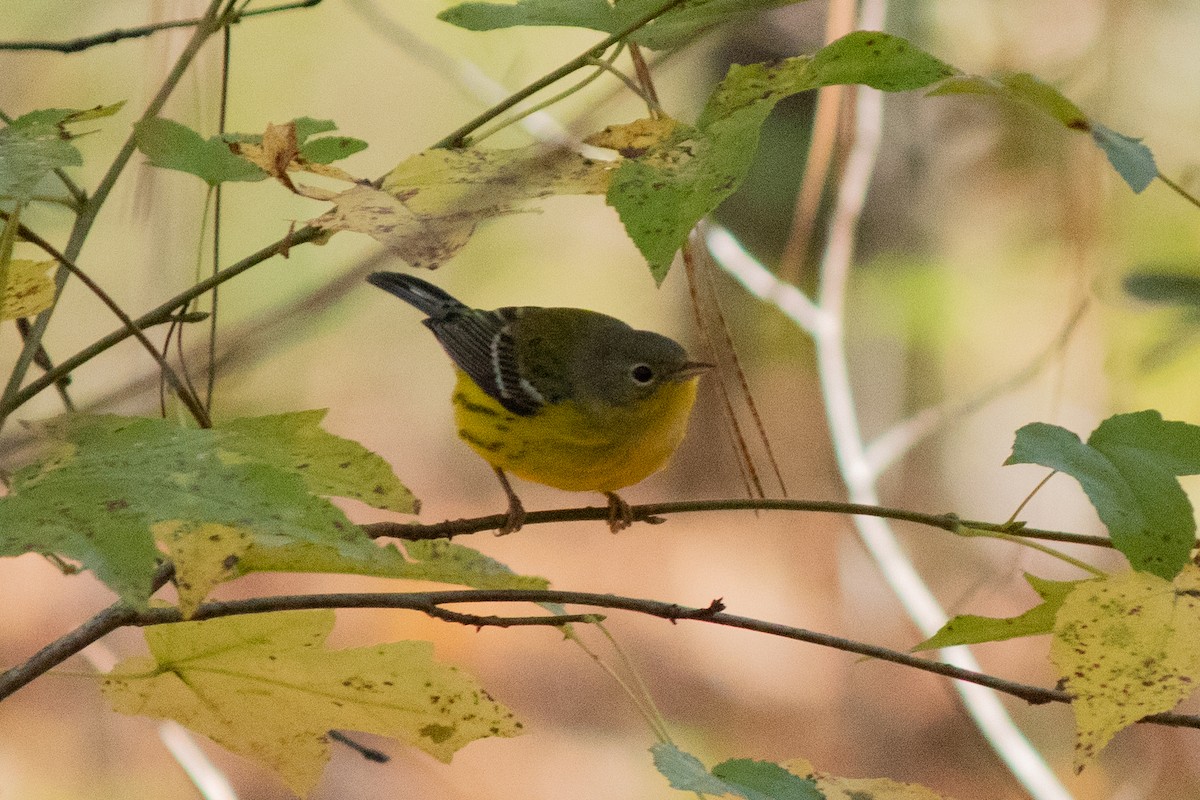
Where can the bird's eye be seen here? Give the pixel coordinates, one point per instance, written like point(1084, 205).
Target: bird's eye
point(642, 373)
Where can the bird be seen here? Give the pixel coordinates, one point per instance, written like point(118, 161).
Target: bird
point(565, 397)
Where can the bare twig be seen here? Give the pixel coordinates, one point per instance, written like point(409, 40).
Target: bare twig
point(424, 602)
point(141, 31)
point(652, 513)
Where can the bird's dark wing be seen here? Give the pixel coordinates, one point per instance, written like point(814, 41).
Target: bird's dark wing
point(482, 344)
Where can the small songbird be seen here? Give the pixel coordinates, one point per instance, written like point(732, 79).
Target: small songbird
point(570, 398)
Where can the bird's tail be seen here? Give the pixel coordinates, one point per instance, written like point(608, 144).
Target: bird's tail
point(417, 293)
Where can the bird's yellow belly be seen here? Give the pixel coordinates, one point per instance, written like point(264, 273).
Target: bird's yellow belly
point(574, 447)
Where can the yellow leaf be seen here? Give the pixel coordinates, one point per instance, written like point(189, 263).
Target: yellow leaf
point(633, 139)
point(492, 182)
point(28, 289)
point(836, 788)
point(1126, 646)
point(266, 687)
point(204, 555)
point(430, 203)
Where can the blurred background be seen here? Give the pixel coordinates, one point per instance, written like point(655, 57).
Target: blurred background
point(986, 227)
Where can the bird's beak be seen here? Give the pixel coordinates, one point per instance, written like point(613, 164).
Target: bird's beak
point(691, 369)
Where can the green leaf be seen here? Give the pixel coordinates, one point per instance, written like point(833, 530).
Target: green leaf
point(972, 629)
point(1128, 469)
point(170, 145)
point(1132, 160)
point(661, 195)
point(753, 780)
point(672, 29)
point(28, 153)
point(329, 465)
point(879, 60)
point(686, 772)
point(114, 486)
point(328, 149)
point(267, 687)
point(1020, 87)
point(1163, 286)
point(61, 117)
point(438, 561)
point(764, 780)
point(307, 126)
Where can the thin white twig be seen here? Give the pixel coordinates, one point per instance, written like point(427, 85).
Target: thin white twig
point(891, 445)
point(204, 774)
point(827, 328)
point(759, 280)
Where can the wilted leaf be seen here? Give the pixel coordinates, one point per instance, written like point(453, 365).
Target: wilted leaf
point(265, 686)
point(430, 203)
point(971, 629)
point(422, 242)
point(1128, 469)
point(633, 139)
point(1126, 646)
point(26, 289)
point(281, 149)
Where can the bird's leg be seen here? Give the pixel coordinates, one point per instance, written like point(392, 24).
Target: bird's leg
point(516, 511)
point(620, 515)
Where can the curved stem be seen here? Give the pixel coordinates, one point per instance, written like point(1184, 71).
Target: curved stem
point(457, 138)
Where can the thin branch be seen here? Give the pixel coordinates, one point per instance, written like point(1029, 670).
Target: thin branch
point(652, 513)
point(890, 446)
point(1179, 190)
point(188, 398)
point(458, 137)
point(163, 313)
point(58, 651)
point(141, 31)
point(210, 23)
point(714, 613)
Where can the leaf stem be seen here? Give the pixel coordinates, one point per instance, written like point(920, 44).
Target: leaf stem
point(458, 138)
point(1028, 542)
point(163, 313)
point(1184, 193)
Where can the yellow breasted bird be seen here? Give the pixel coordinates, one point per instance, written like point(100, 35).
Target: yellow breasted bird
point(570, 398)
